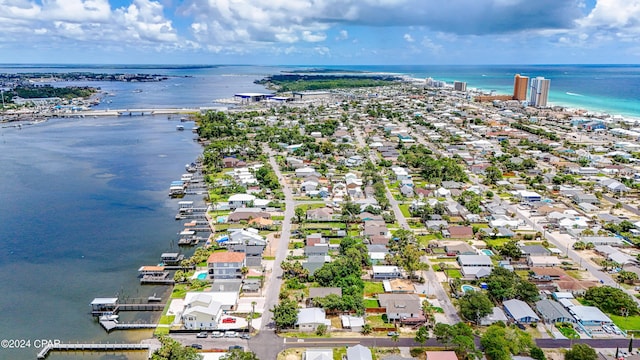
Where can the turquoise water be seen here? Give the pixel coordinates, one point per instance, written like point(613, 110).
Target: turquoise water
point(202, 276)
point(487, 252)
point(466, 288)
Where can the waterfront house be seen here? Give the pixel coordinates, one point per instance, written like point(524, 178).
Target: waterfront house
point(226, 265)
point(201, 312)
point(310, 318)
point(246, 214)
point(519, 311)
point(241, 200)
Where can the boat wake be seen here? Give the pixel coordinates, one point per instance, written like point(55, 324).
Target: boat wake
point(573, 94)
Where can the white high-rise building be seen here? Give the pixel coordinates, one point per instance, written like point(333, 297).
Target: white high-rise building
point(539, 91)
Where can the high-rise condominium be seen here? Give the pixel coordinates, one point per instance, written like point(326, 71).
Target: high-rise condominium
point(539, 92)
point(520, 86)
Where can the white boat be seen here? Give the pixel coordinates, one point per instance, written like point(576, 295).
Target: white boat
point(179, 127)
point(109, 317)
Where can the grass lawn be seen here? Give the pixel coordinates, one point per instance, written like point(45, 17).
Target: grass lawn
point(626, 323)
point(371, 303)
point(179, 291)
point(497, 242)
point(372, 288)
point(423, 240)
point(404, 208)
point(569, 333)
point(326, 225)
point(454, 274)
point(339, 353)
point(166, 319)
point(311, 206)
point(376, 321)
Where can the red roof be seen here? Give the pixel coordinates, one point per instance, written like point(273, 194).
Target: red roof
point(226, 257)
point(441, 355)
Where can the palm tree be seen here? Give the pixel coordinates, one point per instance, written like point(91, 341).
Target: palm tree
point(366, 329)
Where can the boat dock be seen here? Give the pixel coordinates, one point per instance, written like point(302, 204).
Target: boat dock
point(92, 347)
point(110, 325)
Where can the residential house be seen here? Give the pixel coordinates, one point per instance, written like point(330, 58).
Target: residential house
point(405, 308)
point(317, 250)
point(497, 314)
point(398, 286)
point(309, 186)
point(460, 232)
point(475, 266)
point(226, 265)
point(318, 354)
point(543, 261)
point(314, 239)
point(534, 250)
point(385, 272)
point(373, 229)
point(241, 200)
point(320, 292)
point(201, 312)
point(310, 318)
point(552, 312)
point(581, 197)
point(455, 248)
point(295, 162)
point(441, 355)
point(589, 315)
point(520, 311)
point(358, 352)
point(377, 253)
point(320, 214)
point(353, 323)
point(246, 214)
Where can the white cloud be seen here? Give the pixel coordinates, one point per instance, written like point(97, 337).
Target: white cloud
point(430, 45)
point(322, 50)
point(342, 35)
point(313, 37)
point(408, 38)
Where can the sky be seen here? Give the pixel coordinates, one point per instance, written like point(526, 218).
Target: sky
point(312, 32)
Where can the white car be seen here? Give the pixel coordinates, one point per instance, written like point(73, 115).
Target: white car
point(230, 334)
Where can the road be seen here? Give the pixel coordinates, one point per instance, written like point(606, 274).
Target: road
point(429, 275)
point(265, 343)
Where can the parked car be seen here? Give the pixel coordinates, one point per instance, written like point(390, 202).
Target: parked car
point(196, 346)
point(217, 334)
point(245, 336)
point(393, 333)
point(235, 347)
point(231, 334)
point(202, 334)
point(228, 320)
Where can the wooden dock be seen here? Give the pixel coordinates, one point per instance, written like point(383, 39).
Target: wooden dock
point(110, 325)
point(140, 307)
point(92, 347)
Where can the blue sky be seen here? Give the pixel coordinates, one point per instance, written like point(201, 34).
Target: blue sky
point(320, 31)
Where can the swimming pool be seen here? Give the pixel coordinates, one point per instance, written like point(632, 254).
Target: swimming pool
point(202, 276)
point(487, 252)
point(466, 288)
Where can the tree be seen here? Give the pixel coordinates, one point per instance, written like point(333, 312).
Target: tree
point(537, 353)
point(492, 175)
point(321, 329)
point(581, 352)
point(611, 300)
point(511, 249)
point(285, 314)
point(366, 329)
point(627, 276)
point(173, 350)
point(422, 335)
point(300, 213)
point(475, 305)
point(238, 354)
point(495, 344)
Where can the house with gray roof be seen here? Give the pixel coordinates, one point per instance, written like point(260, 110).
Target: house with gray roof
point(497, 314)
point(358, 352)
point(310, 318)
point(553, 312)
point(318, 354)
point(534, 250)
point(520, 311)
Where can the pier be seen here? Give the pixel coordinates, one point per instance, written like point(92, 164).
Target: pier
point(92, 347)
point(110, 325)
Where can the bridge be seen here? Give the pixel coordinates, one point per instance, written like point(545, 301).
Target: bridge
point(129, 112)
point(92, 347)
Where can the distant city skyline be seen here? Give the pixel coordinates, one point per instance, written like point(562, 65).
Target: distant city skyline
point(317, 32)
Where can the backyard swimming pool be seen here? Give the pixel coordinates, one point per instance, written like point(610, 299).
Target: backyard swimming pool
point(465, 288)
point(487, 252)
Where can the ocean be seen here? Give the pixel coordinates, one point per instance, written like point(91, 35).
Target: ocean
point(83, 202)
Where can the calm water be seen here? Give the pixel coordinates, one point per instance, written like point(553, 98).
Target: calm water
point(83, 202)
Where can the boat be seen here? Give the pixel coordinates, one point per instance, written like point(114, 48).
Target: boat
point(179, 127)
point(154, 298)
point(111, 317)
point(137, 90)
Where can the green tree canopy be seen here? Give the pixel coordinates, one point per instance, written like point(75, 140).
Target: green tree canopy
point(285, 314)
point(581, 352)
point(238, 354)
point(475, 305)
point(173, 350)
point(611, 300)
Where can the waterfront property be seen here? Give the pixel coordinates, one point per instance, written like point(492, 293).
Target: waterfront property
point(226, 265)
